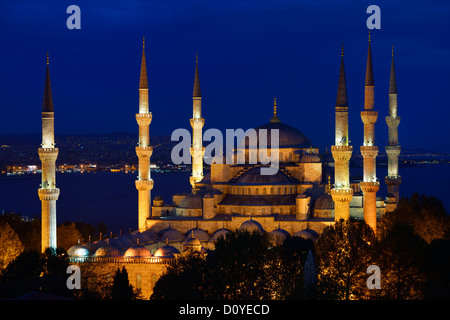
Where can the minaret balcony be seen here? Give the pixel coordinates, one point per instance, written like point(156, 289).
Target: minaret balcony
point(369, 117)
point(143, 185)
point(144, 119)
point(393, 150)
point(373, 186)
point(393, 181)
point(143, 152)
point(342, 153)
point(393, 122)
point(197, 122)
point(369, 151)
point(48, 154)
point(342, 195)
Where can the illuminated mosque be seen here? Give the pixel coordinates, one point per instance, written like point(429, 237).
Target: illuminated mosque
point(299, 200)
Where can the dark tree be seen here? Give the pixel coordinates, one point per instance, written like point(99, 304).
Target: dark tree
point(426, 215)
point(121, 288)
point(344, 251)
point(189, 273)
point(33, 271)
point(243, 266)
point(400, 256)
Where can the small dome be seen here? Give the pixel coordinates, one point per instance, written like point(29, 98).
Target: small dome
point(137, 252)
point(171, 235)
point(157, 198)
point(279, 235)
point(192, 201)
point(197, 233)
point(307, 234)
point(219, 233)
point(78, 251)
point(324, 202)
point(310, 158)
point(208, 195)
point(166, 252)
point(107, 251)
point(148, 236)
point(251, 226)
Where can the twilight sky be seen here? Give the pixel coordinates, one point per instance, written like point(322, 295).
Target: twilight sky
point(249, 53)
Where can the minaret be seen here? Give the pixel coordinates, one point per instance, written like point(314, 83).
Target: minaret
point(48, 193)
point(197, 122)
point(144, 151)
point(393, 179)
point(369, 151)
point(342, 193)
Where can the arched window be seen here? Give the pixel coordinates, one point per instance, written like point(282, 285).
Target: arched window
point(138, 281)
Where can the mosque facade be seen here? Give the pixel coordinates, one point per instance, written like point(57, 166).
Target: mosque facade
point(301, 199)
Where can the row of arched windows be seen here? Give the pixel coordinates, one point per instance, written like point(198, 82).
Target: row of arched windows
point(281, 190)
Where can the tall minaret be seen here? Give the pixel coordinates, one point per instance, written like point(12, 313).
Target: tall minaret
point(197, 122)
point(393, 179)
point(48, 193)
point(369, 151)
point(144, 151)
point(342, 193)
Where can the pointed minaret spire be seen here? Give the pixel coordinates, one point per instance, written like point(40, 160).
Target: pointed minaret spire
point(341, 100)
point(197, 92)
point(144, 150)
point(197, 123)
point(342, 193)
point(143, 81)
point(393, 179)
point(369, 68)
point(392, 81)
point(48, 193)
point(47, 105)
point(275, 117)
point(370, 185)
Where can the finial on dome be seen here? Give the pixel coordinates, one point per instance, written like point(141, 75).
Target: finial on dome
point(275, 117)
point(196, 57)
point(47, 58)
point(342, 49)
point(392, 50)
point(143, 42)
point(329, 183)
point(369, 35)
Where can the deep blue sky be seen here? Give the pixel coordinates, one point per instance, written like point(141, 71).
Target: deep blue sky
point(249, 53)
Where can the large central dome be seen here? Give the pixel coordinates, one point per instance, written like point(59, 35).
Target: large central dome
point(289, 137)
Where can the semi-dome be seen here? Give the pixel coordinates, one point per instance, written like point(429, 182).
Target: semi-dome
point(251, 226)
point(219, 233)
point(310, 158)
point(107, 251)
point(324, 202)
point(253, 176)
point(289, 137)
point(192, 201)
point(166, 252)
point(78, 251)
point(137, 251)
